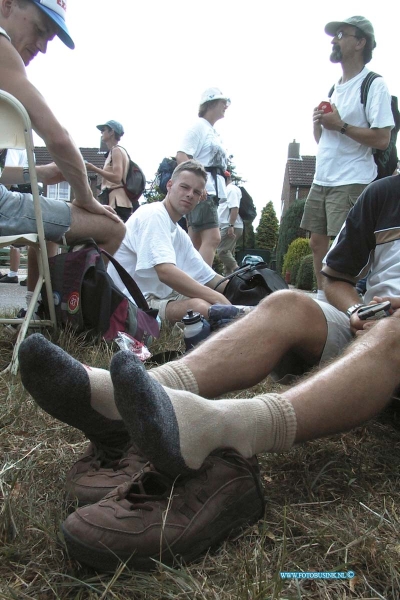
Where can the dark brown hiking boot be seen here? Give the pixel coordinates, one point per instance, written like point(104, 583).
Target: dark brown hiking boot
point(154, 518)
point(100, 470)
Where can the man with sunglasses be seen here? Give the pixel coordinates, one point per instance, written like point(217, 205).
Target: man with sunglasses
point(346, 132)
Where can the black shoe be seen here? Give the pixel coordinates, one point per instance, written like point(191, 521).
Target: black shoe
point(24, 282)
point(8, 279)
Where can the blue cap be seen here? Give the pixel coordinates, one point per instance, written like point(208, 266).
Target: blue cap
point(114, 125)
point(55, 10)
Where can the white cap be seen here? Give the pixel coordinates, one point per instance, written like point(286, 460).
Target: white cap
point(213, 94)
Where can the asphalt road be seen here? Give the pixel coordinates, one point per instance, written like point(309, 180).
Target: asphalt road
point(12, 295)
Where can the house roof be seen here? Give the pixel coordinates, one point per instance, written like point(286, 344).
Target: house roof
point(92, 155)
point(301, 170)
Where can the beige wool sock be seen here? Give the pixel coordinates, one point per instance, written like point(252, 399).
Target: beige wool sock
point(265, 423)
point(178, 429)
point(175, 375)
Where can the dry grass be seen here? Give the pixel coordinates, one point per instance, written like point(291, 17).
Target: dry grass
point(332, 505)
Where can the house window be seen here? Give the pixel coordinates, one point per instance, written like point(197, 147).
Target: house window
point(60, 191)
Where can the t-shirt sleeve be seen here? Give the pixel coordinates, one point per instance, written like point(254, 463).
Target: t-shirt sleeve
point(151, 241)
point(192, 141)
point(234, 196)
point(378, 108)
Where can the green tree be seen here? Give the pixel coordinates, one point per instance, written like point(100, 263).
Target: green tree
point(268, 227)
point(289, 230)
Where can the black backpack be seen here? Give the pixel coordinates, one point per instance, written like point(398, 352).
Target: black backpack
point(135, 183)
point(247, 210)
point(250, 284)
point(164, 173)
point(386, 160)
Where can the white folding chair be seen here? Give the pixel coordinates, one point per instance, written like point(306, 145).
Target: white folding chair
point(16, 132)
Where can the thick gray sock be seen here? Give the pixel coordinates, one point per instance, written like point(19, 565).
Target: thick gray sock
point(61, 386)
point(147, 412)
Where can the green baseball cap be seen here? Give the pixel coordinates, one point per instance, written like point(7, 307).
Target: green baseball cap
point(358, 21)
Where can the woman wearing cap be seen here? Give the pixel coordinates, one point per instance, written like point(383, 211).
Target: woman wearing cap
point(114, 171)
point(203, 143)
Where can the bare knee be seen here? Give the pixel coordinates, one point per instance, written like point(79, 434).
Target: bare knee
point(290, 306)
point(319, 243)
point(211, 237)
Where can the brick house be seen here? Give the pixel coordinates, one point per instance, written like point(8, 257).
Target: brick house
point(299, 174)
point(62, 191)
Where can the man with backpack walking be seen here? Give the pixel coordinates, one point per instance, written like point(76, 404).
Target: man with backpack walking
point(346, 131)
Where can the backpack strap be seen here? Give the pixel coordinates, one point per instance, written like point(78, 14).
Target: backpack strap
point(366, 84)
point(128, 282)
point(237, 272)
point(331, 91)
point(129, 158)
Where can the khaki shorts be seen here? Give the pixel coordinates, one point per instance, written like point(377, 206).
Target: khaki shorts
point(160, 304)
point(338, 337)
point(326, 208)
point(204, 215)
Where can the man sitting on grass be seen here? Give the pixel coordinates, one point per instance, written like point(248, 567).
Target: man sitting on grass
point(159, 254)
point(169, 416)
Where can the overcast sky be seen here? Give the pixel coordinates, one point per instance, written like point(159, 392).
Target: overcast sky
point(145, 64)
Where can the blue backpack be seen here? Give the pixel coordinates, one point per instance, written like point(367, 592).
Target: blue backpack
point(164, 173)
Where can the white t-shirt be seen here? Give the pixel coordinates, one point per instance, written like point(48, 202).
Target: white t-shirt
point(16, 158)
point(234, 195)
point(341, 160)
point(152, 238)
point(204, 143)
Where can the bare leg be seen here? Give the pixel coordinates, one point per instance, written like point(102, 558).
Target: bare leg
point(106, 233)
point(179, 429)
point(195, 237)
point(210, 239)
point(352, 389)
point(33, 271)
point(178, 308)
point(15, 256)
point(253, 346)
point(319, 245)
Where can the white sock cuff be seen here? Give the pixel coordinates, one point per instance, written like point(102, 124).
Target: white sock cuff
point(175, 375)
point(283, 422)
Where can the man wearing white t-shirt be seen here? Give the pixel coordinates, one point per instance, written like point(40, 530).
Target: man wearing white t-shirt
point(159, 254)
point(231, 225)
point(345, 137)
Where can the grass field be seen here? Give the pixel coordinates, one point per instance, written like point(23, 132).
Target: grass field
point(331, 505)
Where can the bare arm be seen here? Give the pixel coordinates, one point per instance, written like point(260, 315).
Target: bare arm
point(182, 283)
point(48, 174)
point(373, 137)
point(114, 176)
point(63, 150)
point(182, 157)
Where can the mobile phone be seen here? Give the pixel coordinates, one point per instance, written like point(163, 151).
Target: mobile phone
point(375, 311)
point(325, 106)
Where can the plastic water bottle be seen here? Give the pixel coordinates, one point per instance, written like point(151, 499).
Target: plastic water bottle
point(196, 329)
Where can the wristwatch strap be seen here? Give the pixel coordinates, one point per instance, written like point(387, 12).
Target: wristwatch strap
point(353, 309)
point(345, 126)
